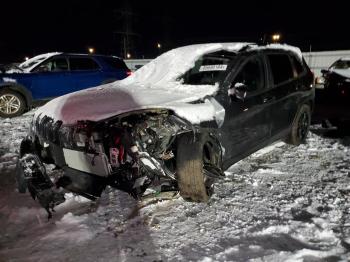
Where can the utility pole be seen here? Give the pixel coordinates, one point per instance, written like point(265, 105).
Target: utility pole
point(126, 35)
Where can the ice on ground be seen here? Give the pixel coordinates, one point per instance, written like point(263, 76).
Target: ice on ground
point(282, 203)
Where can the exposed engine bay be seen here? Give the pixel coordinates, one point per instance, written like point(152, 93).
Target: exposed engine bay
point(131, 152)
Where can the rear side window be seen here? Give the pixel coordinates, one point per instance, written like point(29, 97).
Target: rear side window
point(299, 68)
point(281, 68)
point(82, 63)
point(250, 75)
point(115, 63)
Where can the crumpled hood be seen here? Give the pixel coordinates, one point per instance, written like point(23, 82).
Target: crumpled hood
point(109, 100)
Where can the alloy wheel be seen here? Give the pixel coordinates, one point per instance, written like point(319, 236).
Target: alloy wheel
point(9, 104)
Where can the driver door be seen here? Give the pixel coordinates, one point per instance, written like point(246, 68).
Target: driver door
point(246, 123)
point(51, 79)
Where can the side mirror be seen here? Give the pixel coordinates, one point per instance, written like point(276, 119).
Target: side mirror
point(41, 68)
point(238, 90)
point(324, 71)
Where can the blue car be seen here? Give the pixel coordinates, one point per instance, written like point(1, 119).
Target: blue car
point(54, 74)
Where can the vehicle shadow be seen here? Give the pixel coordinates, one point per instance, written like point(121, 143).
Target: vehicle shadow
point(341, 134)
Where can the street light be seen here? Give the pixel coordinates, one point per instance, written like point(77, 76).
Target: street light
point(91, 50)
point(128, 55)
point(159, 46)
point(26, 58)
point(276, 37)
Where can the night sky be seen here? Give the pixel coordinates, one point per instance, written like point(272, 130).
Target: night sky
point(32, 27)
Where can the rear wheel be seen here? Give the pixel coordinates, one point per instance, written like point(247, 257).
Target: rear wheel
point(300, 127)
point(193, 184)
point(11, 103)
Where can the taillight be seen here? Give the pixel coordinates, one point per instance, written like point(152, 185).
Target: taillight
point(129, 73)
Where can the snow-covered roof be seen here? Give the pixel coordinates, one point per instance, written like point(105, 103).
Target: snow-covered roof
point(174, 63)
point(286, 47)
point(28, 65)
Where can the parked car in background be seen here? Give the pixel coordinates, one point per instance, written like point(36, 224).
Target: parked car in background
point(54, 74)
point(135, 64)
point(177, 123)
point(333, 101)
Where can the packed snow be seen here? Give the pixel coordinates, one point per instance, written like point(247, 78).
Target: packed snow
point(282, 203)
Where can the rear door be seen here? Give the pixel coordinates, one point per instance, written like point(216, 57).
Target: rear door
point(283, 89)
point(85, 72)
point(114, 68)
point(246, 119)
point(51, 78)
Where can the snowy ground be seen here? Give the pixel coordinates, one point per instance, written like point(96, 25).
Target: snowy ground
point(281, 204)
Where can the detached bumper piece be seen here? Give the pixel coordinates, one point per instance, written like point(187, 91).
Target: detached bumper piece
point(31, 174)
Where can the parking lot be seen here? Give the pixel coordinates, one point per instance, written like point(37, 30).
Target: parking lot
point(283, 203)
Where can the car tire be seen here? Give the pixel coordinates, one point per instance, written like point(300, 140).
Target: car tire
point(300, 127)
point(189, 169)
point(11, 103)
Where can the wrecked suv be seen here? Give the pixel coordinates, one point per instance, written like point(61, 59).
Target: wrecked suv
point(176, 124)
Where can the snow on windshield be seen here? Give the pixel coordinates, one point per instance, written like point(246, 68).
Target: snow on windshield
point(168, 67)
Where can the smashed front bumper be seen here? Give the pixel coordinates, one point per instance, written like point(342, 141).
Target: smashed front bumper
point(31, 174)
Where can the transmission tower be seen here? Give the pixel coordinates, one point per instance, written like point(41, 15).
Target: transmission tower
point(126, 18)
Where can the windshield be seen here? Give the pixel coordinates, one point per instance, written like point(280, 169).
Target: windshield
point(171, 67)
point(341, 64)
point(209, 69)
point(31, 63)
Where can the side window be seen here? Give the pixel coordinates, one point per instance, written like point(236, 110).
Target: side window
point(53, 65)
point(250, 75)
point(116, 63)
point(281, 68)
point(82, 63)
point(298, 65)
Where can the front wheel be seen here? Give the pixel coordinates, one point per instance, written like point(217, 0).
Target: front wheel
point(11, 103)
point(300, 126)
point(193, 184)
